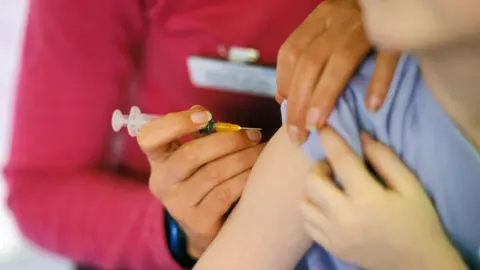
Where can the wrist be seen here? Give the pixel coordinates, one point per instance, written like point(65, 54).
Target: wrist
point(177, 242)
point(442, 257)
point(448, 258)
point(193, 252)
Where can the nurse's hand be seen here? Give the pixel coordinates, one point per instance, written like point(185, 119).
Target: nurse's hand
point(197, 181)
point(316, 62)
point(372, 225)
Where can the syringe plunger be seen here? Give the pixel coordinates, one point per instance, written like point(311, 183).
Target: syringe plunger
point(134, 121)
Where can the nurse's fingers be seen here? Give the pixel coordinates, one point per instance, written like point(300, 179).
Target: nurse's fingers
point(385, 65)
point(164, 130)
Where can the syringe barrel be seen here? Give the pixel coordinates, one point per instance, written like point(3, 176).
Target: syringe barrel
point(137, 122)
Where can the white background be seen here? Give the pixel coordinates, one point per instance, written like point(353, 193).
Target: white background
point(15, 252)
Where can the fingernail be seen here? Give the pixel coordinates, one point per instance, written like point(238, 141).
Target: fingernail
point(201, 117)
point(279, 98)
point(373, 103)
point(313, 116)
point(293, 133)
point(195, 107)
point(254, 135)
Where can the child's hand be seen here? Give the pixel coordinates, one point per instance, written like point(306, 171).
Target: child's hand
point(374, 226)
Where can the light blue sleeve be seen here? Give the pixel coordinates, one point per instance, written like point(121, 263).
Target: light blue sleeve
point(350, 115)
point(349, 118)
point(414, 125)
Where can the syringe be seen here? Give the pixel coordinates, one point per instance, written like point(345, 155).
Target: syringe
point(136, 120)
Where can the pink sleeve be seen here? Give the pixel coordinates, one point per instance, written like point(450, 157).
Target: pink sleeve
point(76, 68)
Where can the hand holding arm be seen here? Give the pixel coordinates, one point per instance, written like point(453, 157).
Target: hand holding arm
point(319, 58)
point(199, 180)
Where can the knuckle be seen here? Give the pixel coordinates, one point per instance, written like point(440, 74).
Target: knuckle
point(308, 61)
point(289, 52)
point(346, 56)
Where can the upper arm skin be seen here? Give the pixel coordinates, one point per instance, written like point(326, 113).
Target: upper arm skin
point(266, 229)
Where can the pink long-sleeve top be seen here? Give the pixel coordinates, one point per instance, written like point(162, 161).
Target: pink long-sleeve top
point(75, 188)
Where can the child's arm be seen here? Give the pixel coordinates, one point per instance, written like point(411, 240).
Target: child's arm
point(266, 230)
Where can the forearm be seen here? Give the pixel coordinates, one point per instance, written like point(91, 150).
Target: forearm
point(90, 217)
point(266, 230)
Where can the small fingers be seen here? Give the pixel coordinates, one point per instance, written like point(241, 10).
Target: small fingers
point(385, 65)
point(315, 224)
point(321, 190)
point(347, 166)
point(385, 162)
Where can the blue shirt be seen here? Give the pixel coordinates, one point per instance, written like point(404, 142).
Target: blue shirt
point(428, 142)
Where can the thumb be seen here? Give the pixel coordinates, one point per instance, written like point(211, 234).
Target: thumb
point(164, 130)
point(389, 167)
